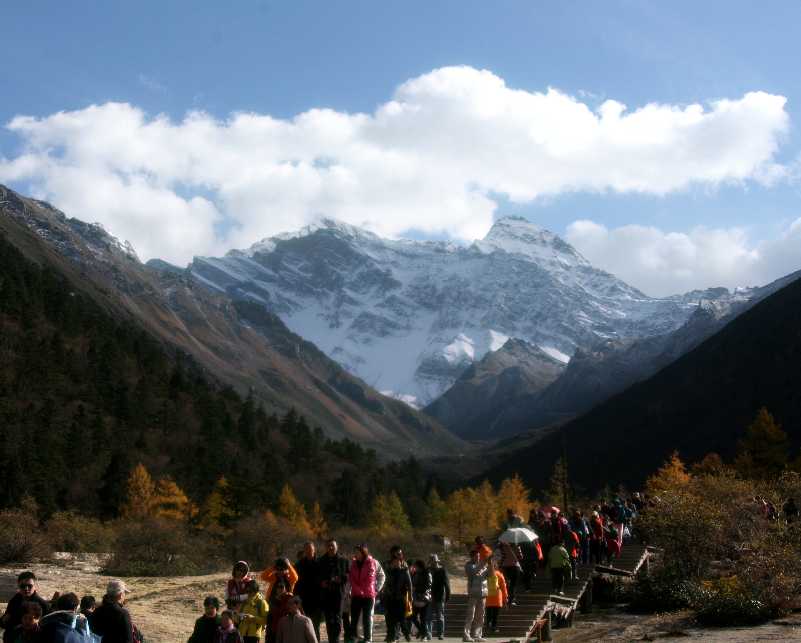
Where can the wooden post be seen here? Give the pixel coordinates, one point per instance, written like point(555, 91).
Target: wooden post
point(586, 600)
point(546, 628)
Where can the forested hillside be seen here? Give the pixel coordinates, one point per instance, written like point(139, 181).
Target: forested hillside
point(86, 395)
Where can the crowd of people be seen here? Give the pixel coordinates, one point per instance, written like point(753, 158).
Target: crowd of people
point(288, 603)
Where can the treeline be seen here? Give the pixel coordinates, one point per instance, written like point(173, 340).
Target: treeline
point(86, 396)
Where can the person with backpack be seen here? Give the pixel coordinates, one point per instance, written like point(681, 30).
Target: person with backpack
point(111, 621)
point(253, 615)
point(64, 624)
point(559, 564)
point(26, 593)
point(440, 595)
point(497, 595)
point(207, 625)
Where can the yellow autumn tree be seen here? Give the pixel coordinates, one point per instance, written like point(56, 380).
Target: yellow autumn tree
point(139, 495)
point(319, 527)
point(436, 509)
point(486, 508)
point(462, 522)
point(669, 477)
point(513, 494)
point(217, 511)
point(292, 510)
point(171, 502)
point(764, 451)
point(387, 515)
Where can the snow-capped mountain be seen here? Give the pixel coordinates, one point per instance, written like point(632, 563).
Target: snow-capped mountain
point(410, 316)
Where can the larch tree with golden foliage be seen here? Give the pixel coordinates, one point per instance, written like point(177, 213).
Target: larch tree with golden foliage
point(170, 501)
point(218, 511)
point(670, 476)
point(387, 515)
point(139, 495)
point(319, 527)
point(513, 494)
point(292, 510)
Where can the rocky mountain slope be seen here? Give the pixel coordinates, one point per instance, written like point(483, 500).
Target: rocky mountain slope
point(409, 317)
point(701, 402)
point(237, 342)
point(501, 380)
point(597, 373)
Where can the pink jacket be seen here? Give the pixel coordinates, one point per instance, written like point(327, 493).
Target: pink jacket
point(362, 578)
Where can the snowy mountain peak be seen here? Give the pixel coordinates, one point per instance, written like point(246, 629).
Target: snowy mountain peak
point(519, 236)
point(324, 224)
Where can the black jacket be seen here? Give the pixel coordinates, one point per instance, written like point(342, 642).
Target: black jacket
point(422, 586)
point(14, 612)
point(398, 583)
point(440, 585)
point(330, 568)
point(308, 585)
point(205, 630)
point(112, 621)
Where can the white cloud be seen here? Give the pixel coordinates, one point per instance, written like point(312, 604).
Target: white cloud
point(430, 159)
point(664, 263)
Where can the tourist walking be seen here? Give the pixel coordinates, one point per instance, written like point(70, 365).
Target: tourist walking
point(111, 621)
point(26, 593)
point(362, 577)
point(236, 590)
point(294, 627)
point(511, 568)
point(333, 575)
point(476, 571)
point(228, 632)
point(497, 595)
point(253, 615)
point(206, 626)
point(559, 564)
point(440, 595)
point(64, 624)
point(421, 599)
point(397, 590)
point(308, 586)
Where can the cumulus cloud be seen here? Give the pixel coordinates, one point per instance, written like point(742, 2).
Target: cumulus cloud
point(664, 263)
point(432, 159)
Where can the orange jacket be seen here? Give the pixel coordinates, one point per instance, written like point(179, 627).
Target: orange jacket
point(496, 590)
point(271, 575)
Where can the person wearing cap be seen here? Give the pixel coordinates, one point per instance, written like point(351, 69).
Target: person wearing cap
point(295, 627)
point(111, 621)
point(440, 595)
point(206, 626)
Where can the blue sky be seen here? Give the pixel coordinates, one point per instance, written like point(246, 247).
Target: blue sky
point(284, 58)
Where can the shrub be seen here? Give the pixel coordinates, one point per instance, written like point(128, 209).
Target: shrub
point(727, 602)
point(664, 590)
point(21, 539)
point(262, 537)
point(162, 548)
point(68, 531)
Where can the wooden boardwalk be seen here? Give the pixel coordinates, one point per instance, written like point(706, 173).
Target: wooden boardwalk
point(537, 609)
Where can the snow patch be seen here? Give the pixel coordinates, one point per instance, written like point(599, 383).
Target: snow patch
point(556, 354)
point(459, 350)
point(411, 400)
point(497, 340)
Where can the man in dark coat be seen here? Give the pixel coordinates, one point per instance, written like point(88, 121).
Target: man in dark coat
point(333, 574)
point(308, 585)
point(111, 620)
point(26, 593)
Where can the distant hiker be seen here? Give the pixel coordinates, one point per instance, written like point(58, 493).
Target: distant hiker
point(559, 564)
point(236, 591)
point(397, 590)
point(440, 595)
point(572, 544)
point(422, 582)
point(512, 520)
point(484, 550)
point(362, 587)
point(579, 525)
point(790, 511)
point(88, 605)
point(26, 593)
point(294, 627)
point(511, 568)
point(253, 615)
point(612, 537)
point(111, 620)
point(308, 586)
point(206, 626)
point(28, 630)
point(333, 574)
point(63, 624)
point(596, 538)
point(497, 595)
point(476, 571)
point(227, 632)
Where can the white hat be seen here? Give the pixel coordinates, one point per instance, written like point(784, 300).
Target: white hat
point(116, 587)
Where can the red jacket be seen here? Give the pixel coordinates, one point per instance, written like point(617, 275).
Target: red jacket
point(362, 578)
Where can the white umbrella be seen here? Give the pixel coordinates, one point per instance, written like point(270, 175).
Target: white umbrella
point(517, 535)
